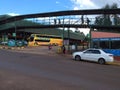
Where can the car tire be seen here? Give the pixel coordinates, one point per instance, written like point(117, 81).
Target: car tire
point(77, 58)
point(101, 61)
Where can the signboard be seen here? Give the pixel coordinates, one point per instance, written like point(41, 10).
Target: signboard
point(14, 34)
point(106, 39)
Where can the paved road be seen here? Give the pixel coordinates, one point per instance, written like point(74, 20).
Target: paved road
point(27, 71)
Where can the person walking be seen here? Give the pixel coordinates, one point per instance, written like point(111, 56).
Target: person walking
point(88, 21)
point(49, 46)
point(64, 49)
point(82, 19)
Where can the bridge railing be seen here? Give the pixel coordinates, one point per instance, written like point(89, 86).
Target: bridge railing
point(63, 20)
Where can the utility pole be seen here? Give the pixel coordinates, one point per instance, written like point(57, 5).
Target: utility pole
point(63, 31)
point(15, 34)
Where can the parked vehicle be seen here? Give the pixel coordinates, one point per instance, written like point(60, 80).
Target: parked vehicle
point(96, 55)
point(41, 39)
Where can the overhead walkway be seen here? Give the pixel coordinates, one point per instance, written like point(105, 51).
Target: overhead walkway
point(62, 19)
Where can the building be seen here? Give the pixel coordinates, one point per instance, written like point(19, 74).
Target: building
point(110, 42)
point(14, 31)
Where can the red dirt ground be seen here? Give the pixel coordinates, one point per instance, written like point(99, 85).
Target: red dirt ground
point(117, 58)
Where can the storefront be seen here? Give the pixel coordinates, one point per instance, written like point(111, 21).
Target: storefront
point(106, 43)
point(110, 42)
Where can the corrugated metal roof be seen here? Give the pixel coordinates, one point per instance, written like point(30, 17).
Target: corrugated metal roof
point(96, 34)
point(57, 32)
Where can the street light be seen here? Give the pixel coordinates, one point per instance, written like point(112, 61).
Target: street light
point(14, 34)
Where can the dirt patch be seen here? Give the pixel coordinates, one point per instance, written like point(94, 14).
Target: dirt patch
point(117, 58)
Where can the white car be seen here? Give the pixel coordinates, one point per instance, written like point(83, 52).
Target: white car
point(96, 55)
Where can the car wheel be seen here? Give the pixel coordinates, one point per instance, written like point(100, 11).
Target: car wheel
point(77, 57)
point(101, 61)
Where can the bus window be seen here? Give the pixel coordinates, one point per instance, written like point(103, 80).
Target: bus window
point(42, 40)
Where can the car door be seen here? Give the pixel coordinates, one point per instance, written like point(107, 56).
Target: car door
point(86, 55)
point(95, 54)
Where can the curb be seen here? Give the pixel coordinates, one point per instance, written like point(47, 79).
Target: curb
point(114, 63)
point(12, 48)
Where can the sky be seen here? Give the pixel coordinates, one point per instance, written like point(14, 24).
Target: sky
point(40, 6)
point(22, 7)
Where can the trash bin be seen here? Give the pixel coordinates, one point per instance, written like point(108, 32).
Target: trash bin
point(11, 43)
point(19, 43)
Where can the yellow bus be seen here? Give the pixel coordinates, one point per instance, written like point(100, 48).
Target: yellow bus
point(42, 39)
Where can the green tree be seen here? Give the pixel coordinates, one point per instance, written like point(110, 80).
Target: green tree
point(107, 19)
point(115, 16)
